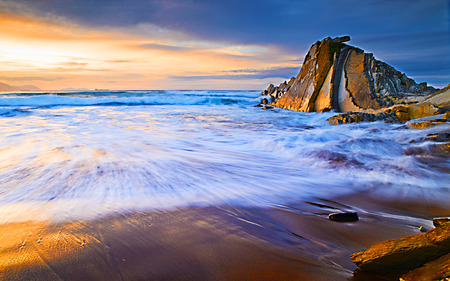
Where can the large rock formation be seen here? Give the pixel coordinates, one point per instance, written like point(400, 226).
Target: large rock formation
point(344, 78)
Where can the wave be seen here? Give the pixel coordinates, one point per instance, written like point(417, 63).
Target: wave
point(127, 98)
point(8, 112)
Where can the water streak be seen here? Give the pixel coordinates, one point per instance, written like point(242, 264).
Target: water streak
point(83, 155)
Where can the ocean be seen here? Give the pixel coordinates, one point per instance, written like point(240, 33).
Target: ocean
point(66, 156)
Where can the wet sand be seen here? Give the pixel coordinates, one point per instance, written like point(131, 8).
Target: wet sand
point(290, 242)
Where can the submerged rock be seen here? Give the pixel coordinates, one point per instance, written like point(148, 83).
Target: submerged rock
point(426, 124)
point(438, 137)
point(336, 76)
point(355, 117)
point(406, 253)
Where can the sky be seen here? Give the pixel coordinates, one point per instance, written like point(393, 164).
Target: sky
point(217, 44)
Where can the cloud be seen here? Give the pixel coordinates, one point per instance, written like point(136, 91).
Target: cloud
point(245, 74)
point(119, 61)
point(124, 76)
point(164, 47)
point(32, 78)
point(74, 63)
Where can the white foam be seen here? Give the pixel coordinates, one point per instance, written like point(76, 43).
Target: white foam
point(67, 162)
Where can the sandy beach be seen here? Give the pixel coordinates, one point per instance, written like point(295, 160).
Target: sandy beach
point(290, 242)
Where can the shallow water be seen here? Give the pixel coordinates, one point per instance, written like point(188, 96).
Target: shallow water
point(68, 156)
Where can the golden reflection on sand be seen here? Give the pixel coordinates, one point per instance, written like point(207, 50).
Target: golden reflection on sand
point(211, 243)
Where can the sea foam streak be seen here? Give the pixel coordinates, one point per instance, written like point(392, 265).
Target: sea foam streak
point(84, 155)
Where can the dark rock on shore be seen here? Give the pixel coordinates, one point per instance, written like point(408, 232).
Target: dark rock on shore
point(435, 270)
point(336, 76)
point(344, 217)
point(438, 222)
point(406, 253)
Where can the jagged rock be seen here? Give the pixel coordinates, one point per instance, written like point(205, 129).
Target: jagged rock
point(276, 92)
point(406, 253)
point(433, 270)
point(271, 89)
point(355, 117)
point(438, 222)
point(344, 217)
point(344, 78)
point(342, 39)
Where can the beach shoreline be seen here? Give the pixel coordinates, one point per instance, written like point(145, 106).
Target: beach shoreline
point(295, 241)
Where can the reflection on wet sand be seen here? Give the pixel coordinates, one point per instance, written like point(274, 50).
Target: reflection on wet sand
point(289, 242)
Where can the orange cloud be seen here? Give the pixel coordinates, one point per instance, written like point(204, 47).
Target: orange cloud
point(138, 57)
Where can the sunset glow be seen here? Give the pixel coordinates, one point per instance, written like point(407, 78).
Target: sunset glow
point(56, 54)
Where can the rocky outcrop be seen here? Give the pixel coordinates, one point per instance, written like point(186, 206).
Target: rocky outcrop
point(406, 253)
point(275, 92)
point(336, 76)
point(441, 98)
point(426, 124)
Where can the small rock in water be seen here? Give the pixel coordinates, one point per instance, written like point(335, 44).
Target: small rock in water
point(347, 216)
point(264, 101)
point(438, 222)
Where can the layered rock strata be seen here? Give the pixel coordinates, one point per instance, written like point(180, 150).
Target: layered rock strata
point(429, 253)
point(337, 76)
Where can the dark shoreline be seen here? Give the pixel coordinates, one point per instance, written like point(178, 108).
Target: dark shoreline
point(291, 242)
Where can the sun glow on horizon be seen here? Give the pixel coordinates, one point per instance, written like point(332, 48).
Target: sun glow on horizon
point(55, 54)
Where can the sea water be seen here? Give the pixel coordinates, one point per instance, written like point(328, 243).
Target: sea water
point(84, 155)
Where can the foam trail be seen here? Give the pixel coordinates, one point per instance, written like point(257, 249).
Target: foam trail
point(84, 155)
